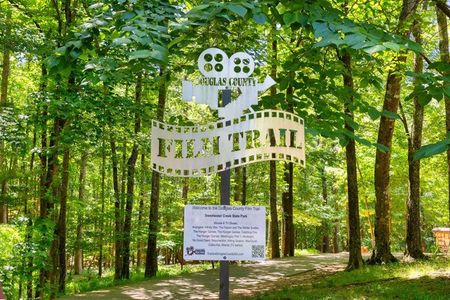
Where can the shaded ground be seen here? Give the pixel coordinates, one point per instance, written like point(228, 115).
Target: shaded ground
point(245, 280)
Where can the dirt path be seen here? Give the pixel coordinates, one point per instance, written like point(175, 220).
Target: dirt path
point(245, 280)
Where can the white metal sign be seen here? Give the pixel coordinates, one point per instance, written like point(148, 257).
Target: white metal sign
point(238, 138)
point(223, 232)
point(201, 150)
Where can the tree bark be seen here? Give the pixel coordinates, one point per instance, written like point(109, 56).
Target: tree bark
point(102, 217)
point(287, 197)
point(117, 213)
point(78, 260)
point(444, 54)
point(325, 228)
point(140, 244)
point(413, 235)
point(237, 185)
point(274, 231)
point(382, 252)
point(288, 216)
point(151, 262)
point(3, 102)
point(131, 166)
point(354, 236)
point(6, 63)
point(244, 186)
point(62, 222)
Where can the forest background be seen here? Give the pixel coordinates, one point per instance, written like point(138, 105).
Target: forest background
point(81, 81)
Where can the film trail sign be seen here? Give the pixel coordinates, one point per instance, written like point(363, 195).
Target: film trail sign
point(241, 136)
point(238, 138)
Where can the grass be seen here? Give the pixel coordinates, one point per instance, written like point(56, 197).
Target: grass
point(300, 252)
point(89, 281)
point(417, 280)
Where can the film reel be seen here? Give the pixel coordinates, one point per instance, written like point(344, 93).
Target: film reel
point(213, 62)
point(241, 65)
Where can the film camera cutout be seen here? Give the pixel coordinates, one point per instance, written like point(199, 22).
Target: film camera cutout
point(214, 62)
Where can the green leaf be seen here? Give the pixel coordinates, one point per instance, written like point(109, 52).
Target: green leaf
point(381, 147)
point(237, 9)
point(260, 18)
point(288, 18)
point(373, 49)
point(160, 53)
point(373, 113)
point(139, 54)
point(431, 149)
point(176, 41)
point(390, 114)
point(121, 41)
point(392, 46)
point(354, 39)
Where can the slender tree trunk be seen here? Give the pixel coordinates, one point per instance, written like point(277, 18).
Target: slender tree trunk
point(355, 258)
point(413, 235)
point(3, 102)
point(237, 185)
point(287, 198)
point(382, 252)
point(78, 261)
point(151, 262)
point(274, 231)
point(444, 53)
point(244, 186)
point(325, 228)
point(131, 166)
point(140, 245)
point(62, 222)
point(185, 190)
point(102, 217)
point(48, 195)
point(117, 213)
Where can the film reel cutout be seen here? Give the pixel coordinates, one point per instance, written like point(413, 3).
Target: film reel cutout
point(241, 65)
point(213, 62)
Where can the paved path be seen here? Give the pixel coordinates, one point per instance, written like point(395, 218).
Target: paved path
point(205, 285)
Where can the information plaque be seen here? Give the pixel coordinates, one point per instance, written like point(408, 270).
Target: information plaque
point(223, 232)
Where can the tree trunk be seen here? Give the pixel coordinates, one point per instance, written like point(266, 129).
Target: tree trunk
point(244, 186)
point(382, 252)
point(78, 263)
point(62, 222)
point(237, 185)
point(117, 213)
point(131, 166)
point(140, 245)
point(354, 230)
point(185, 190)
point(151, 262)
point(288, 216)
point(274, 231)
point(444, 53)
point(325, 227)
point(6, 63)
point(287, 197)
point(102, 217)
point(3, 102)
point(413, 235)
point(48, 194)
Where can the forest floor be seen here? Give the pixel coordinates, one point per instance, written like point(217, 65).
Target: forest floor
point(246, 280)
point(317, 276)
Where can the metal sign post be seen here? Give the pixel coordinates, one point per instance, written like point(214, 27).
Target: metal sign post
point(224, 277)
